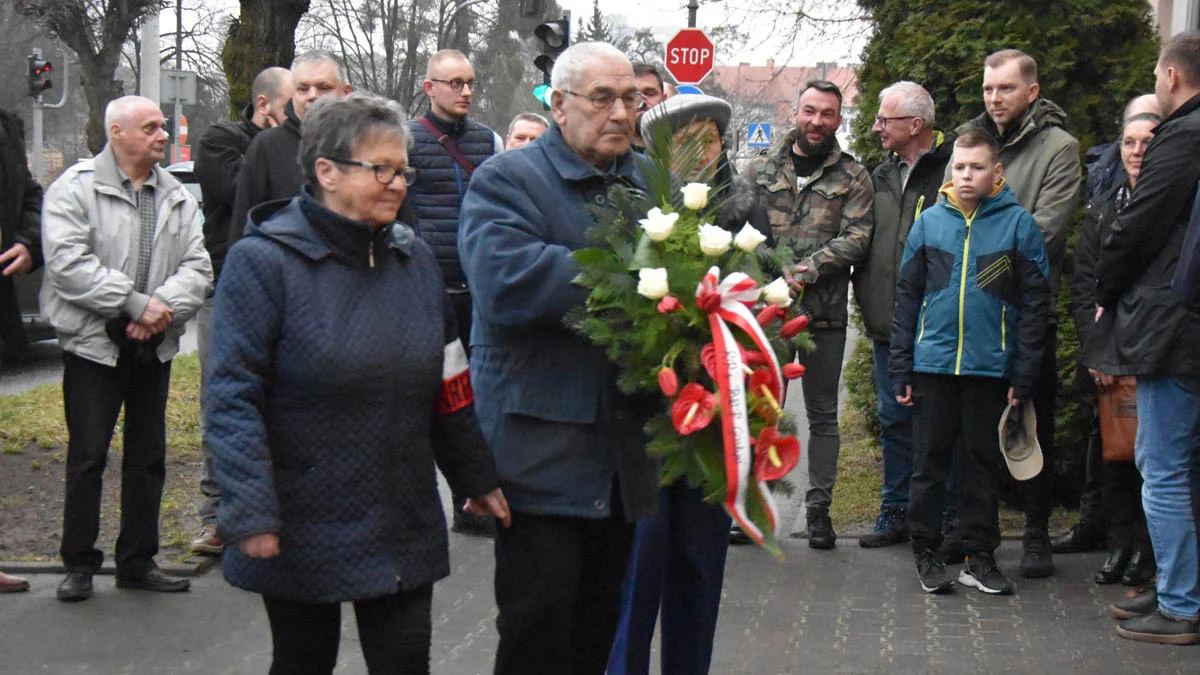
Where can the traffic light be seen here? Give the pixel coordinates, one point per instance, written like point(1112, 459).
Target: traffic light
point(555, 37)
point(38, 70)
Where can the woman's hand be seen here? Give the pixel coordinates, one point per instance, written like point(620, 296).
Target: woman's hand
point(492, 504)
point(261, 546)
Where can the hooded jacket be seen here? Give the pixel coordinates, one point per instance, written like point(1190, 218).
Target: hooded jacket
point(1043, 169)
point(972, 294)
point(20, 220)
point(896, 206)
point(218, 161)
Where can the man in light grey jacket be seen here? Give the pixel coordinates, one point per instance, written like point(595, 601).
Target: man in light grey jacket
point(125, 269)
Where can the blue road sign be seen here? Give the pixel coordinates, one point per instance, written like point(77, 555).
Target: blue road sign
point(689, 89)
point(758, 135)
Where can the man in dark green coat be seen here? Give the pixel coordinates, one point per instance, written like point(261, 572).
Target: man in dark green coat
point(906, 183)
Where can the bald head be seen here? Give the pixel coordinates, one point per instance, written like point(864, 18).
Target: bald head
point(269, 95)
point(442, 60)
point(121, 111)
point(135, 129)
point(1146, 103)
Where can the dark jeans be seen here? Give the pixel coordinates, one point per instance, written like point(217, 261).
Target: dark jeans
point(678, 564)
point(1091, 499)
point(92, 397)
point(947, 408)
point(209, 487)
point(1037, 493)
point(823, 374)
point(558, 590)
point(461, 304)
point(395, 632)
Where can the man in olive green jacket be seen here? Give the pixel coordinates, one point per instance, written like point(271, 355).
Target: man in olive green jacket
point(906, 183)
point(1042, 167)
point(818, 201)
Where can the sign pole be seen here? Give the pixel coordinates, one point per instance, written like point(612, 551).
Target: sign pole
point(693, 5)
point(39, 158)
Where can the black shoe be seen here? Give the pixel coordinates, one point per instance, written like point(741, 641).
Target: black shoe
point(474, 525)
point(932, 573)
point(1114, 566)
point(1082, 538)
point(1135, 603)
point(820, 528)
point(1161, 629)
point(981, 572)
point(155, 580)
point(1141, 568)
point(1037, 561)
point(891, 527)
point(77, 586)
point(738, 536)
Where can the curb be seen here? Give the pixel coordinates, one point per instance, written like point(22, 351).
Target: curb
point(192, 567)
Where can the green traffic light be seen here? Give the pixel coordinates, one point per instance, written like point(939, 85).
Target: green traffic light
point(542, 94)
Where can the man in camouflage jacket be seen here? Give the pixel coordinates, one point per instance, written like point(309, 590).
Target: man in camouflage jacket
point(819, 201)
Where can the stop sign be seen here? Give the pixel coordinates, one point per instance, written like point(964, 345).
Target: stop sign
point(690, 56)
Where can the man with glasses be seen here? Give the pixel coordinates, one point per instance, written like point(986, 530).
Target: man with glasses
point(446, 149)
point(569, 446)
point(906, 184)
point(818, 200)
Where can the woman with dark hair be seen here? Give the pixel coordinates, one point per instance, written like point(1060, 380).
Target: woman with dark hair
point(336, 384)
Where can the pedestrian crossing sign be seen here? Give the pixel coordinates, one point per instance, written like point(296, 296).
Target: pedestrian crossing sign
point(758, 135)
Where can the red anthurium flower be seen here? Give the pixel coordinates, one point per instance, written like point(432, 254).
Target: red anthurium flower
point(794, 327)
point(768, 314)
point(708, 359)
point(774, 455)
point(793, 370)
point(669, 304)
point(693, 410)
point(763, 385)
point(754, 358)
point(668, 382)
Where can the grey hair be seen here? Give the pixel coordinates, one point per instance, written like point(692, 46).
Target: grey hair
point(528, 117)
point(322, 56)
point(335, 126)
point(571, 65)
point(911, 99)
point(119, 109)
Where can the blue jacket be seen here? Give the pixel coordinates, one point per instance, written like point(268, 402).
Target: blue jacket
point(560, 431)
point(321, 407)
point(441, 183)
point(972, 295)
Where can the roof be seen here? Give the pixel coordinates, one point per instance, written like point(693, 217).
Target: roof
point(770, 85)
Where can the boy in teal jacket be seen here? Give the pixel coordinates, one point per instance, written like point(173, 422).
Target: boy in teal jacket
point(972, 300)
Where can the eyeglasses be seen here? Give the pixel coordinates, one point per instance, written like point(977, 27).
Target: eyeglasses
point(883, 121)
point(632, 101)
point(384, 173)
point(457, 84)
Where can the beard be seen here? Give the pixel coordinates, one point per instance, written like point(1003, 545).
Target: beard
point(821, 148)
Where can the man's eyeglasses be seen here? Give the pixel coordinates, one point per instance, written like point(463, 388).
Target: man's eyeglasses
point(384, 173)
point(883, 121)
point(457, 84)
point(604, 102)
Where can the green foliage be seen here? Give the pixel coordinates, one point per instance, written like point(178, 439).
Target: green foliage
point(1093, 57)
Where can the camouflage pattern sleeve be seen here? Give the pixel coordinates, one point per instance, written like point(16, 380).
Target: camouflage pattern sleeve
point(853, 240)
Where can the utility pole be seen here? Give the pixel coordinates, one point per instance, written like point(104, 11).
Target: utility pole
point(693, 5)
point(151, 73)
point(176, 144)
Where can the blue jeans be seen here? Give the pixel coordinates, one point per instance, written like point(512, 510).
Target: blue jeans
point(678, 563)
point(897, 437)
point(1167, 452)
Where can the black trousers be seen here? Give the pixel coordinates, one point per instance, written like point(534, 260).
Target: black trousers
point(461, 303)
point(946, 409)
point(1091, 499)
point(93, 394)
point(558, 589)
point(1037, 493)
point(395, 632)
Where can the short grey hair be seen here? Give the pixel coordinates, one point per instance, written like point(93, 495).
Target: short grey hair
point(571, 65)
point(322, 56)
point(334, 126)
point(911, 100)
point(119, 109)
point(528, 117)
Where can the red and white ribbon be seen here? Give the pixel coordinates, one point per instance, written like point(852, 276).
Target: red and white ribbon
point(736, 294)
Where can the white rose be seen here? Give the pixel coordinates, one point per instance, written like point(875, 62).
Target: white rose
point(748, 238)
point(777, 293)
point(695, 195)
point(658, 225)
point(652, 282)
point(714, 240)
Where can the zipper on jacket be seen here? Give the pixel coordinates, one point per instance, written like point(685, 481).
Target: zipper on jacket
point(920, 205)
point(1003, 326)
point(962, 290)
point(924, 306)
point(371, 253)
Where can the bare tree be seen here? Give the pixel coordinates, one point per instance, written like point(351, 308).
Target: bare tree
point(264, 35)
point(95, 30)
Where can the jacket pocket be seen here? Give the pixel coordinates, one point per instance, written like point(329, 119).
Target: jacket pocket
point(825, 208)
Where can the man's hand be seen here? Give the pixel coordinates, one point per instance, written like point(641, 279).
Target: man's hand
point(21, 260)
point(136, 331)
point(1099, 313)
point(906, 399)
point(156, 317)
point(1012, 397)
point(1103, 380)
point(795, 281)
point(261, 546)
point(492, 504)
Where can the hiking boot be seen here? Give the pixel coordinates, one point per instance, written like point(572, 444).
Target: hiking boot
point(981, 572)
point(820, 528)
point(1137, 602)
point(1037, 562)
point(208, 543)
point(932, 573)
point(1161, 629)
point(1082, 538)
point(891, 527)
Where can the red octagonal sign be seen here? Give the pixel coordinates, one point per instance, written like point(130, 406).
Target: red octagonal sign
point(690, 56)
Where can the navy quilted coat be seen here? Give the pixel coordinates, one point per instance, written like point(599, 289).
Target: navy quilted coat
point(326, 377)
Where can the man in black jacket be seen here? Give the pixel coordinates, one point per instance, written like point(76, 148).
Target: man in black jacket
point(906, 183)
point(1157, 335)
point(20, 228)
point(271, 168)
point(218, 159)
